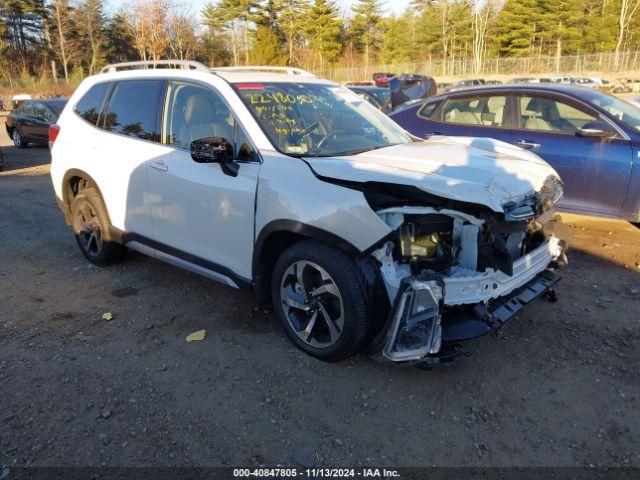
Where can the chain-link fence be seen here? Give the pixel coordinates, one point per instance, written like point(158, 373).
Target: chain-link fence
point(606, 64)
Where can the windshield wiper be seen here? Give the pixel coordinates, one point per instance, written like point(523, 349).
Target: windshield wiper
point(361, 150)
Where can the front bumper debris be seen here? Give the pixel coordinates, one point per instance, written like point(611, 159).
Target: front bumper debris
point(484, 318)
point(420, 330)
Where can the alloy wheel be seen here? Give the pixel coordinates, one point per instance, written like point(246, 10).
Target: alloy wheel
point(17, 138)
point(86, 224)
point(312, 304)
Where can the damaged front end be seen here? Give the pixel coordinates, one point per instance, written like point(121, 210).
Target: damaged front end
point(451, 276)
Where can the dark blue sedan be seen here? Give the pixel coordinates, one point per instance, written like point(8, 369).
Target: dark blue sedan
point(592, 139)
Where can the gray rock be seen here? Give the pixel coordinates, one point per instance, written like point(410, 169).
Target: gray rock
point(304, 458)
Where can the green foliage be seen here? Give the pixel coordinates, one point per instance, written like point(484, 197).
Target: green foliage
point(323, 30)
point(312, 33)
point(267, 47)
point(365, 26)
point(518, 27)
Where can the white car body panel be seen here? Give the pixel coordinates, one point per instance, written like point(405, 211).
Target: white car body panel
point(288, 190)
point(475, 170)
point(197, 208)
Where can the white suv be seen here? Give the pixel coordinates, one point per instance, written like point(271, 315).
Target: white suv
point(298, 189)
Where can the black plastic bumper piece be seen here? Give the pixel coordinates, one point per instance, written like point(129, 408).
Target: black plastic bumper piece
point(482, 319)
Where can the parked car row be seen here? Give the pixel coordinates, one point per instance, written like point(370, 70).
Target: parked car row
point(388, 91)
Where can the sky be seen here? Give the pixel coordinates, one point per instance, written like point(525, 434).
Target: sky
point(391, 6)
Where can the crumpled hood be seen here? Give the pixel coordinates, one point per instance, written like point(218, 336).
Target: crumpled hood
point(476, 170)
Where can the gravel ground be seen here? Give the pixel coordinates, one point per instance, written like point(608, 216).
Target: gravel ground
point(557, 386)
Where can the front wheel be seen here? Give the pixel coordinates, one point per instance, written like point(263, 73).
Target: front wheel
point(319, 300)
point(18, 141)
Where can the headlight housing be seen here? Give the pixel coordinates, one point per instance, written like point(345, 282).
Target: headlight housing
point(415, 330)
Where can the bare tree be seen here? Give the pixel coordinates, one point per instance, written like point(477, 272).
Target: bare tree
point(628, 9)
point(483, 12)
point(60, 10)
point(149, 20)
point(182, 37)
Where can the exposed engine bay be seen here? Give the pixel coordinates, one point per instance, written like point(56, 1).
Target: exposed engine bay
point(440, 263)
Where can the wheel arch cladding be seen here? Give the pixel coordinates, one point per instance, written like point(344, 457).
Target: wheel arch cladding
point(276, 237)
point(70, 187)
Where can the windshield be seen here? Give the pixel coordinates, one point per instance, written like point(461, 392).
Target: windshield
point(626, 112)
point(319, 120)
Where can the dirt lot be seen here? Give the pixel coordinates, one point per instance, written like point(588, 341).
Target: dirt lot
point(557, 386)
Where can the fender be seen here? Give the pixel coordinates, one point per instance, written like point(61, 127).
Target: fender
point(261, 275)
point(65, 205)
point(301, 229)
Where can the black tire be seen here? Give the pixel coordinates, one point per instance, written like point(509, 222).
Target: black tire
point(635, 224)
point(17, 138)
point(357, 328)
point(91, 228)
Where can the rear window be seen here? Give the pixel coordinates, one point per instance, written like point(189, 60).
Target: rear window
point(90, 105)
point(57, 105)
point(25, 108)
point(133, 107)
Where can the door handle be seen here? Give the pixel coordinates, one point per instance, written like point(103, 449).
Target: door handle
point(526, 144)
point(159, 166)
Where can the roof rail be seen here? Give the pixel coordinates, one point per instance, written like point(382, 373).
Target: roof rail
point(144, 64)
point(266, 68)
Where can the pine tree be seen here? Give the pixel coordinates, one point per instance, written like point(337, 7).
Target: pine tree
point(267, 47)
point(518, 27)
point(291, 20)
point(90, 38)
point(560, 26)
point(118, 40)
point(236, 17)
point(395, 47)
point(365, 26)
point(323, 31)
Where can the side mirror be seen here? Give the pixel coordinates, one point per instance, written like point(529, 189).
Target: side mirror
point(596, 129)
point(215, 150)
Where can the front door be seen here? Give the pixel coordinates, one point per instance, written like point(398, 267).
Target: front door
point(200, 213)
point(595, 171)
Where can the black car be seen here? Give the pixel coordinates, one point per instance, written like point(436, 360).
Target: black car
point(379, 97)
point(29, 122)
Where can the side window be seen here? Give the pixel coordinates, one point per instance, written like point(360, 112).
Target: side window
point(132, 108)
point(428, 109)
point(90, 106)
point(192, 113)
point(41, 112)
point(25, 108)
point(547, 114)
point(483, 111)
point(243, 148)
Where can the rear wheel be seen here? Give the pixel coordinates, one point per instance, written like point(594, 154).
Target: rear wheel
point(91, 228)
point(18, 141)
point(318, 298)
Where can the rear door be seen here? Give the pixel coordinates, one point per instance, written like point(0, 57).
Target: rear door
point(470, 115)
point(43, 117)
point(120, 154)
point(595, 171)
